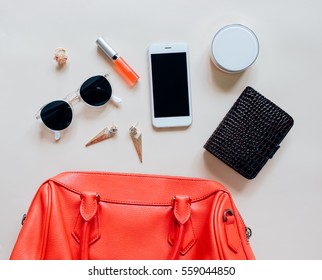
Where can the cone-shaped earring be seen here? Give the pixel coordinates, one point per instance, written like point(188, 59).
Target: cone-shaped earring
point(103, 135)
point(136, 137)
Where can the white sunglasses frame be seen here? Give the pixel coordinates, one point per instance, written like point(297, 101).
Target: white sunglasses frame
point(73, 98)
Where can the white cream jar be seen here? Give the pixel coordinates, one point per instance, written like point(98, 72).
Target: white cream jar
point(234, 48)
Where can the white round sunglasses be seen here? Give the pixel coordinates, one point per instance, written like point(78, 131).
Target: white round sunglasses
point(57, 115)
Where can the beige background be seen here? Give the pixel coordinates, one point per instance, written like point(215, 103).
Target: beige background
point(282, 205)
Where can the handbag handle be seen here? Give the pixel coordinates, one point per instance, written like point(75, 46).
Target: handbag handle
point(89, 208)
point(182, 212)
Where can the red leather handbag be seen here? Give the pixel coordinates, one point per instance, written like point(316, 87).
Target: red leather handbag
point(86, 215)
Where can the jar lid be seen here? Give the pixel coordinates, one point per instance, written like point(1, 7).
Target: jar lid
point(234, 48)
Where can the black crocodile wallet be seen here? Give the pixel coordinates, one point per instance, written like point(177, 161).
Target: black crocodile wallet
point(250, 133)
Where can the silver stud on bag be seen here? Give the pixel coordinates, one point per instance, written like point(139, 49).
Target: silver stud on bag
point(136, 137)
point(106, 133)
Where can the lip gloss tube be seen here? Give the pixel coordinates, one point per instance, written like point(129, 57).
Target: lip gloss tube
point(121, 66)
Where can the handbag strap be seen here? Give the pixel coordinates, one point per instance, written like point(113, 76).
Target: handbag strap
point(89, 208)
point(182, 212)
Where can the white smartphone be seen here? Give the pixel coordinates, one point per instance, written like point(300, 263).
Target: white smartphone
point(170, 85)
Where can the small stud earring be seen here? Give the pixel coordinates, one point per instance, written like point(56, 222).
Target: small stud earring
point(136, 137)
point(103, 135)
point(60, 56)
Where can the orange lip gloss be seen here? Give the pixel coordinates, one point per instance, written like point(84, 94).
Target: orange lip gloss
point(121, 66)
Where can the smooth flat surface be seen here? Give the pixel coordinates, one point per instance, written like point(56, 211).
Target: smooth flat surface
point(282, 205)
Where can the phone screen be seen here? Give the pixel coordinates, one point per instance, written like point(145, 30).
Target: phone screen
point(170, 85)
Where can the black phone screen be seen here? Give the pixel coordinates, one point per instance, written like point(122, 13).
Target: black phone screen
point(170, 85)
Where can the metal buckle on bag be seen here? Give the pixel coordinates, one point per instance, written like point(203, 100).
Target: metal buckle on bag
point(23, 219)
point(228, 212)
point(249, 232)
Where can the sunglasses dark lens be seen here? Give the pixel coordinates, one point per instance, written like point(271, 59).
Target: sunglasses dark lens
point(57, 115)
point(96, 91)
